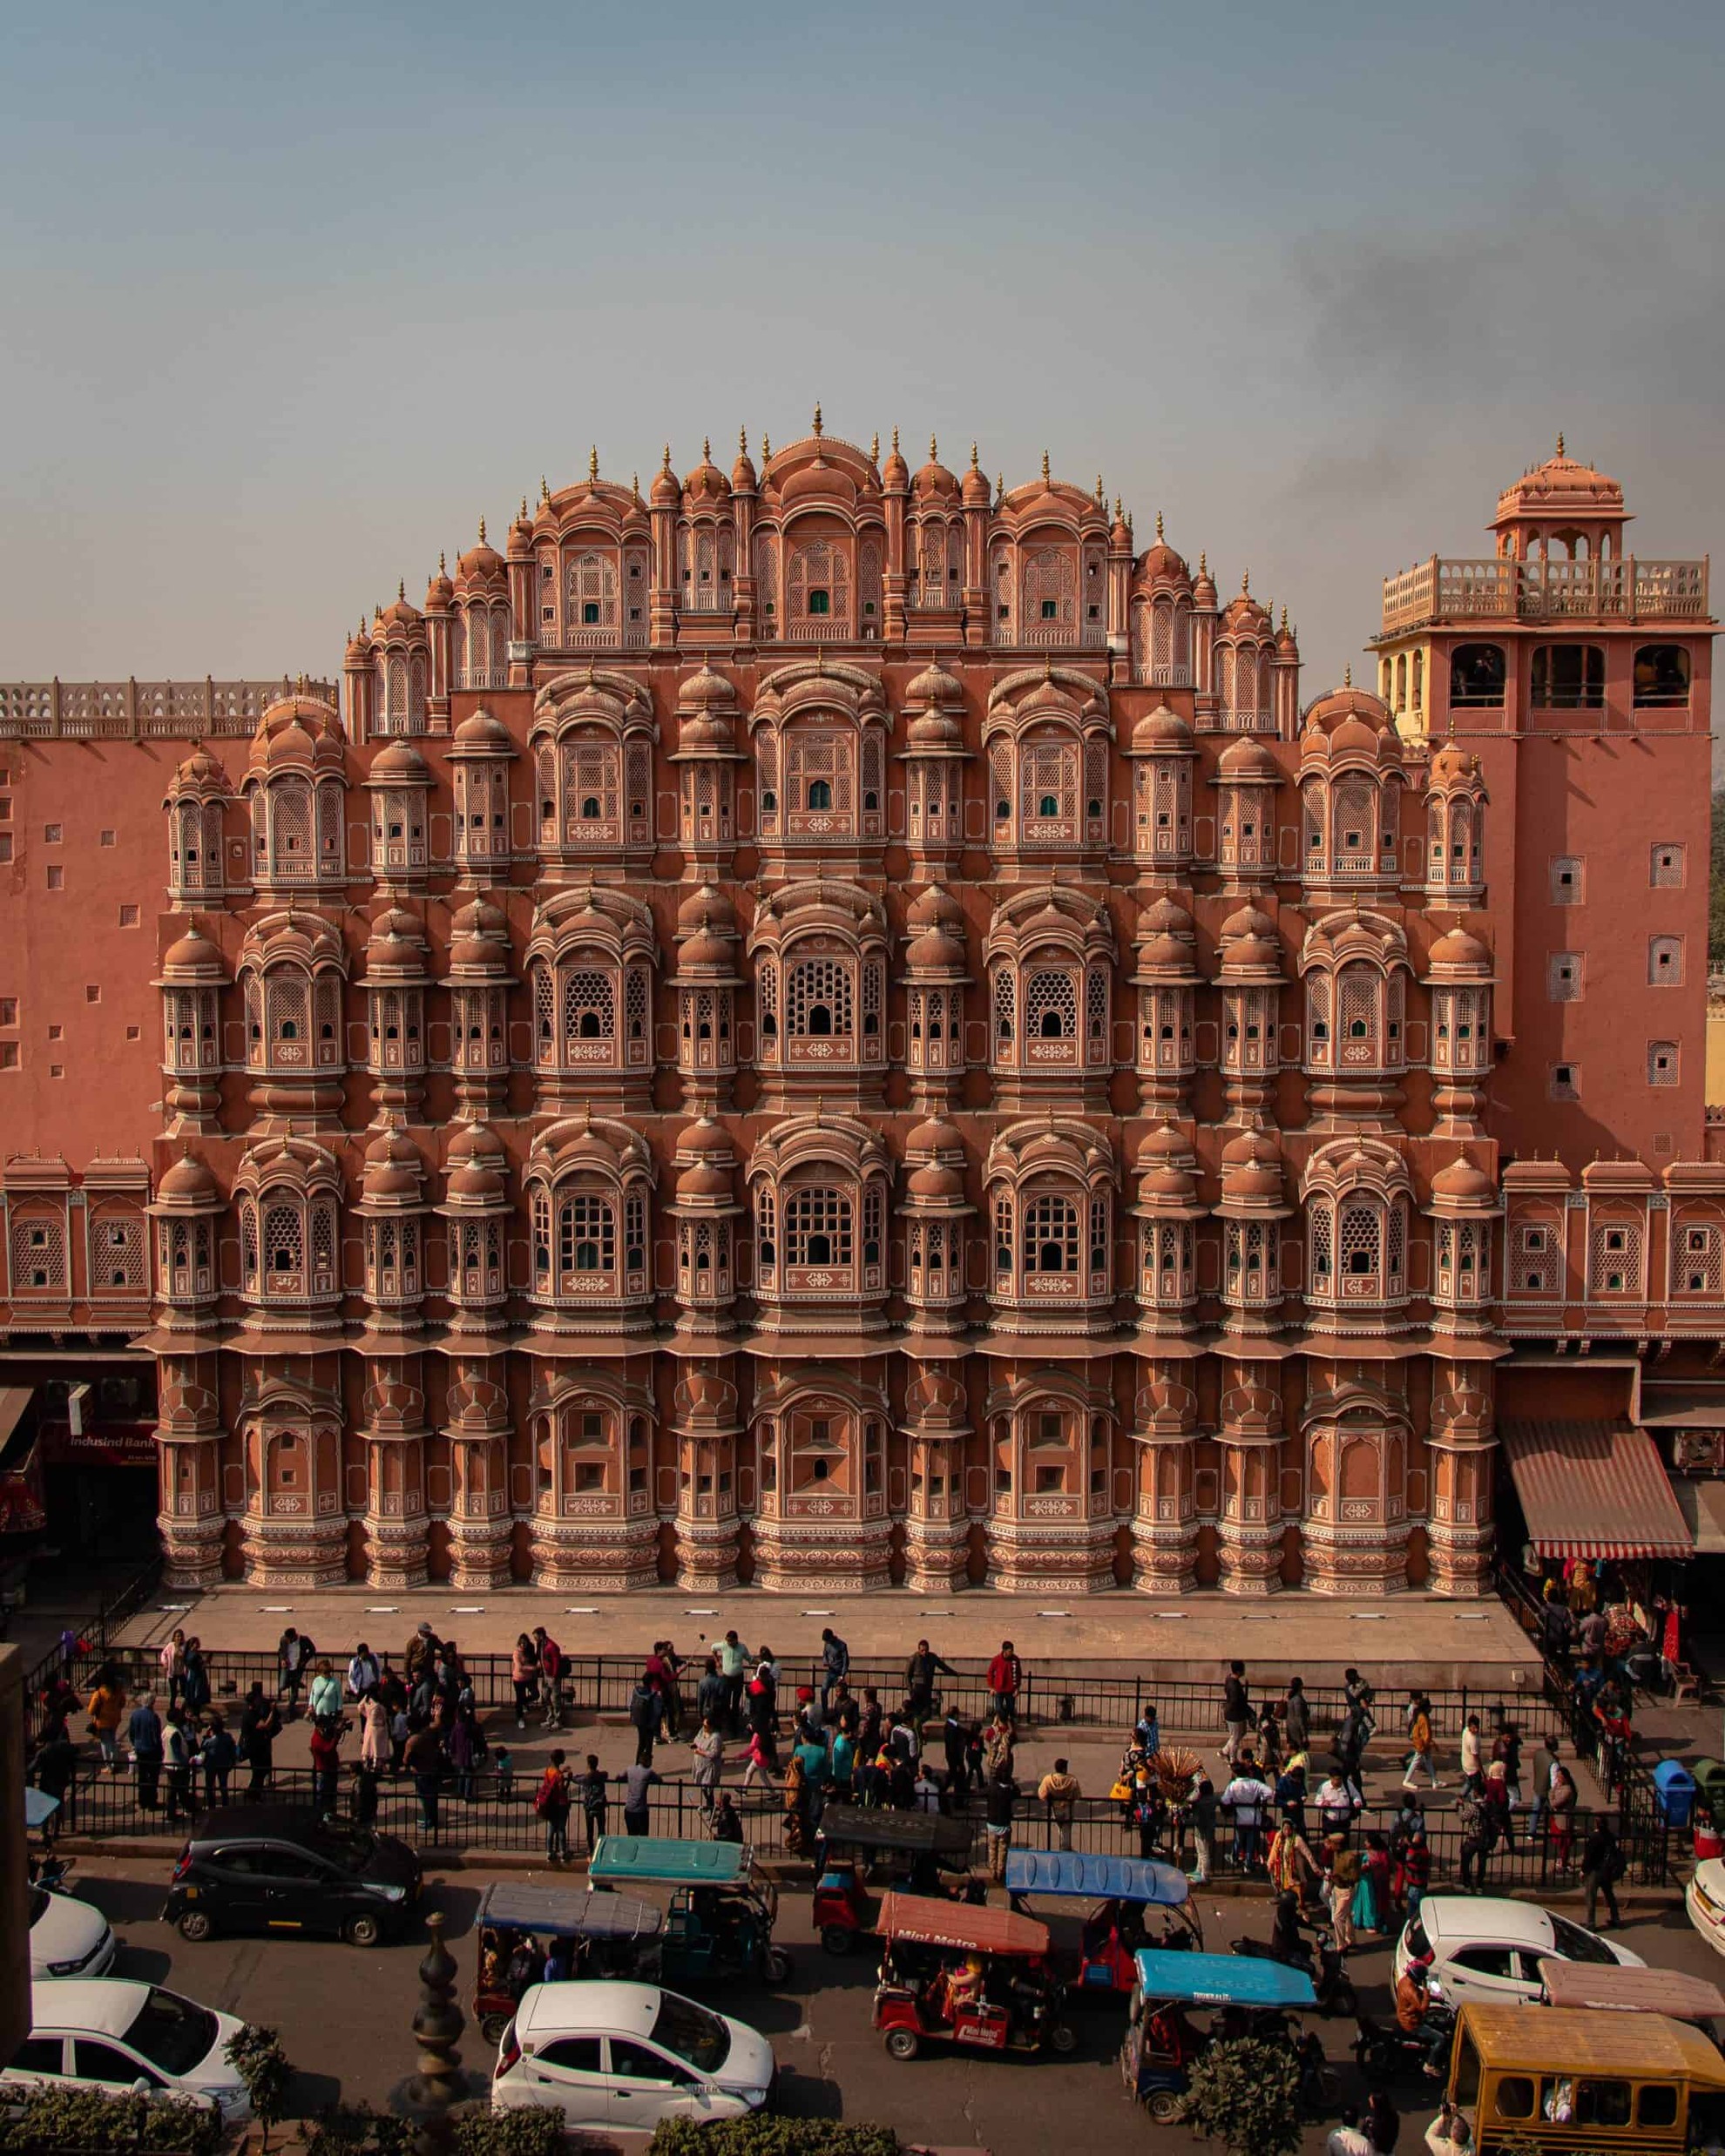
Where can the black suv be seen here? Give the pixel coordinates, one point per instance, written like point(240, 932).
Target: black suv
point(273, 1867)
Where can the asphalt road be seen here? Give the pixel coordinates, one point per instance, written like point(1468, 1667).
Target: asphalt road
point(344, 2017)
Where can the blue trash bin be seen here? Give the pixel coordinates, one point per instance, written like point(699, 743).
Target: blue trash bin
point(1676, 1786)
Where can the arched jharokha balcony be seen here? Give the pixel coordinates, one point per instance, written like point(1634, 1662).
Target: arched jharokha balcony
point(820, 952)
point(292, 968)
point(821, 1188)
point(591, 742)
point(820, 1446)
point(591, 1431)
point(294, 789)
point(819, 731)
point(1050, 1190)
point(589, 1187)
point(1046, 741)
point(1050, 959)
point(1357, 1196)
point(1051, 1501)
point(288, 1197)
point(590, 965)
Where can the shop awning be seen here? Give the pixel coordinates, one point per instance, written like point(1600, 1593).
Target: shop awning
point(1681, 1407)
point(1701, 1499)
point(1594, 1489)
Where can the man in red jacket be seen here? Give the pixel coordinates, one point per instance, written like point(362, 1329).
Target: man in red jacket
point(1006, 1674)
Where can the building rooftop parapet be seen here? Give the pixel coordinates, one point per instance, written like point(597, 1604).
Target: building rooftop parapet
point(1625, 588)
point(143, 711)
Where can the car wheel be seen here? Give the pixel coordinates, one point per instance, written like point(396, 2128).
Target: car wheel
point(1164, 2106)
point(902, 2043)
point(776, 1965)
point(1063, 2038)
point(363, 1929)
point(837, 1938)
point(195, 1925)
point(492, 2026)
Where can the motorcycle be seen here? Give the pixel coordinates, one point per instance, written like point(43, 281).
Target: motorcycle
point(50, 1872)
point(1385, 2052)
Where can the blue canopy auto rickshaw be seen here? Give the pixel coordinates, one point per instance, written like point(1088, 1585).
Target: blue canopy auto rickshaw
point(609, 1934)
point(722, 1906)
point(1182, 2002)
point(1125, 1890)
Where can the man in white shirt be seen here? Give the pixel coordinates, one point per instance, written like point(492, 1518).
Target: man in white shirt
point(1347, 2139)
point(1246, 1797)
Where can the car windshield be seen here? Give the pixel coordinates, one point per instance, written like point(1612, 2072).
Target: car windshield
point(172, 2032)
point(349, 1847)
point(1415, 1941)
point(39, 1899)
point(1576, 1944)
point(690, 2034)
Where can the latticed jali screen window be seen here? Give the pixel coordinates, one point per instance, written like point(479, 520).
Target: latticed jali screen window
point(1050, 1007)
point(117, 1259)
point(1697, 1267)
point(1614, 1257)
point(586, 1235)
point(39, 1257)
point(1048, 785)
point(817, 997)
point(817, 1228)
point(1534, 1258)
point(1051, 1236)
point(589, 1006)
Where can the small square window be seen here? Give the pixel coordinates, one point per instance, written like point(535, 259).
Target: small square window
point(5, 808)
point(52, 834)
point(56, 1032)
point(9, 1055)
point(57, 879)
point(1566, 1082)
point(108, 838)
point(92, 994)
point(1051, 609)
point(592, 1424)
point(134, 1032)
point(128, 918)
point(9, 1010)
point(1567, 880)
point(57, 1069)
point(5, 846)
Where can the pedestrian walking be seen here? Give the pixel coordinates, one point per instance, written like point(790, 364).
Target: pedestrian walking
point(373, 1723)
point(363, 1671)
point(1296, 1716)
point(171, 1667)
point(293, 1662)
point(726, 1825)
point(711, 1695)
point(595, 1793)
point(423, 1757)
point(762, 1763)
point(324, 1697)
point(1472, 1764)
point(1201, 1813)
point(645, 1706)
point(466, 1745)
point(1561, 1810)
point(999, 1796)
point(1602, 1865)
point(551, 1803)
point(1060, 1791)
point(219, 1754)
point(106, 1705)
point(709, 1762)
point(524, 1676)
point(834, 1663)
point(637, 1779)
point(144, 1739)
point(54, 1771)
point(178, 1754)
point(326, 1763)
point(1236, 1712)
point(733, 1660)
point(1005, 1676)
point(1420, 1741)
point(1342, 1866)
point(1246, 1798)
point(554, 1664)
point(1478, 1839)
point(1147, 1731)
point(842, 1762)
point(920, 1673)
point(260, 1726)
point(194, 1682)
point(954, 1739)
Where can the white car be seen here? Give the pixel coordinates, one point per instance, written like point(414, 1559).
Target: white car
point(67, 1937)
point(1480, 1947)
point(109, 2034)
point(620, 2055)
point(1704, 1898)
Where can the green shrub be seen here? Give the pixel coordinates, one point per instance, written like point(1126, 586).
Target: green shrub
point(257, 2056)
point(534, 2130)
point(758, 2135)
point(47, 2120)
point(357, 2130)
point(1246, 2095)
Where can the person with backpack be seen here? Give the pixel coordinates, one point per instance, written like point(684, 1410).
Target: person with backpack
point(1603, 1864)
point(1478, 1839)
point(646, 1705)
point(551, 1802)
point(834, 1664)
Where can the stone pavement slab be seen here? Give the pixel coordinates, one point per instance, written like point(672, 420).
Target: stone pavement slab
point(1404, 1639)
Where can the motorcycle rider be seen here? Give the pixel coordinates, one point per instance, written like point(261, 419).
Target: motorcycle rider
point(1414, 2018)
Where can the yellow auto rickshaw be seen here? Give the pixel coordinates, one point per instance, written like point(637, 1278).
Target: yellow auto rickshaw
point(1568, 2077)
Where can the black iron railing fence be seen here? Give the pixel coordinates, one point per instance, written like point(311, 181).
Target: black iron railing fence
point(475, 1814)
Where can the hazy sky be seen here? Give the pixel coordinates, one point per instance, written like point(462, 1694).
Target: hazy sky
point(292, 295)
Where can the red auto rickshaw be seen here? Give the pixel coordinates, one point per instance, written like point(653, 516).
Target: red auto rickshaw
point(915, 1847)
point(955, 1973)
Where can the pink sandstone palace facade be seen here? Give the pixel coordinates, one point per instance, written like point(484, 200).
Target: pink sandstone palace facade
point(829, 1026)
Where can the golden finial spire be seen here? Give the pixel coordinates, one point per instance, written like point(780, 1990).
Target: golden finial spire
point(666, 466)
point(524, 509)
point(482, 531)
point(1117, 508)
point(1284, 621)
point(766, 447)
point(1245, 584)
point(1159, 524)
point(934, 451)
point(707, 449)
point(875, 448)
point(401, 587)
point(895, 440)
point(1045, 468)
point(544, 490)
point(1000, 488)
point(973, 457)
point(1559, 441)
point(817, 421)
point(1203, 563)
point(635, 488)
point(592, 465)
point(743, 441)
point(1101, 497)
point(1348, 675)
point(442, 563)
